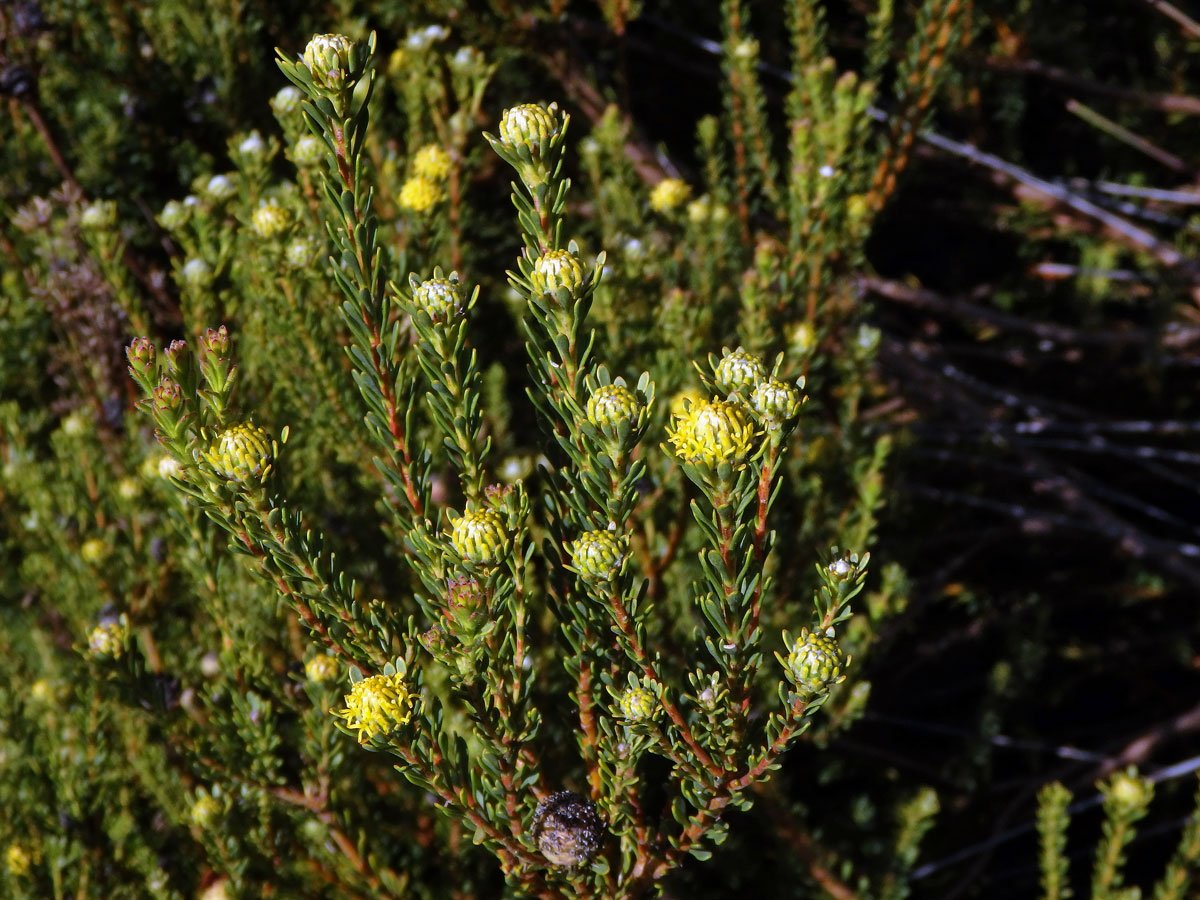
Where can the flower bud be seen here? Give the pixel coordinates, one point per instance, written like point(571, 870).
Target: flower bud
point(611, 405)
point(638, 704)
point(107, 640)
point(567, 829)
point(196, 273)
point(241, 452)
point(557, 269)
point(439, 298)
point(301, 251)
point(219, 188)
point(479, 537)
point(775, 401)
point(529, 125)
point(174, 215)
point(669, 194)
point(330, 60)
point(815, 661)
point(308, 151)
point(270, 220)
point(286, 100)
point(713, 433)
point(431, 162)
point(738, 370)
point(841, 569)
point(167, 397)
point(98, 215)
point(597, 555)
point(321, 668)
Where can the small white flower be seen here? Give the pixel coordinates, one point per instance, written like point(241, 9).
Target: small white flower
point(826, 171)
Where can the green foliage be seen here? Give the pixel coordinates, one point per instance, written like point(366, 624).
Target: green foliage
point(381, 482)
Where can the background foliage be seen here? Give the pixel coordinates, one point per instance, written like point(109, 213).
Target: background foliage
point(998, 335)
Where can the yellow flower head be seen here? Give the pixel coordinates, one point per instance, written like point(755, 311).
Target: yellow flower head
point(377, 705)
point(479, 537)
point(557, 269)
point(431, 162)
point(711, 433)
point(241, 452)
point(419, 194)
point(17, 860)
point(669, 194)
point(529, 125)
point(638, 704)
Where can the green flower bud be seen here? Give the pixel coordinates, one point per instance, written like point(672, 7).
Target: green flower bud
point(252, 146)
point(1127, 791)
point(439, 298)
point(219, 188)
point(611, 405)
point(479, 537)
point(775, 401)
point(301, 251)
point(529, 125)
point(99, 215)
point(321, 668)
point(557, 269)
point(737, 370)
point(271, 220)
point(196, 273)
point(174, 215)
point(330, 60)
point(712, 433)
point(567, 829)
point(464, 597)
point(815, 661)
point(638, 704)
point(308, 151)
point(597, 555)
point(286, 100)
point(841, 569)
point(241, 452)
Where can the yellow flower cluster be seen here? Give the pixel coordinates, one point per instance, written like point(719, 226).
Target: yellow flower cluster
point(241, 452)
point(669, 194)
point(419, 194)
point(713, 432)
point(431, 162)
point(377, 705)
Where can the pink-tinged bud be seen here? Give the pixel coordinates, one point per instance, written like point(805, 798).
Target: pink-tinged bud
point(141, 355)
point(216, 342)
point(168, 396)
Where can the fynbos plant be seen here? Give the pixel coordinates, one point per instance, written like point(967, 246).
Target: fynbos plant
point(571, 601)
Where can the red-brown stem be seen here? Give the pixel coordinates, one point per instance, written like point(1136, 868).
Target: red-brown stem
point(625, 624)
point(589, 743)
